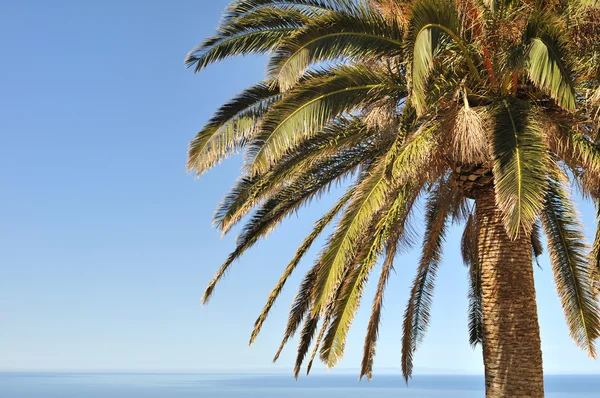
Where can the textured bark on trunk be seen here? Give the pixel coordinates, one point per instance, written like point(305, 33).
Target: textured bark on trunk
point(512, 352)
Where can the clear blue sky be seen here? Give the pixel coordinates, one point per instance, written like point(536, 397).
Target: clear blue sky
point(106, 243)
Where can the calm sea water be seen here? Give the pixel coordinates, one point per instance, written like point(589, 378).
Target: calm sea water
point(74, 385)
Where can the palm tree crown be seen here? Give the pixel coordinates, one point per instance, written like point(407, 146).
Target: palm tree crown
point(424, 100)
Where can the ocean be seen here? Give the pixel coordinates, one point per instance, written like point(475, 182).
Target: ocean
point(113, 385)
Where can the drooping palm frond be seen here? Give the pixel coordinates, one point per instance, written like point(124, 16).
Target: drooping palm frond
point(419, 159)
point(595, 253)
point(311, 325)
point(307, 108)
point(408, 162)
point(433, 25)
point(416, 315)
point(300, 307)
point(317, 344)
point(578, 151)
point(536, 242)
point(573, 273)
point(288, 200)
point(308, 331)
point(363, 34)
point(399, 236)
point(230, 127)
point(394, 214)
point(470, 255)
point(344, 136)
point(343, 309)
point(373, 328)
point(521, 157)
point(368, 199)
point(306, 244)
point(548, 58)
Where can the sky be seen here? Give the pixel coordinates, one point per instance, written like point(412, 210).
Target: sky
point(106, 243)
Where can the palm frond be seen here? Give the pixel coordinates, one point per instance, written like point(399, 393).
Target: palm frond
point(469, 250)
point(368, 199)
point(257, 32)
point(363, 34)
point(433, 22)
point(416, 316)
point(419, 157)
point(341, 138)
point(548, 58)
point(398, 236)
point(314, 182)
point(307, 108)
point(255, 27)
point(536, 242)
point(319, 226)
point(300, 307)
point(306, 337)
point(595, 253)
point(310, 327)
point(317, 344)
point(577, 150)
point(520, 166)
point(230, 127)
point(573, 274)
point(395, 211)
point(311, 8)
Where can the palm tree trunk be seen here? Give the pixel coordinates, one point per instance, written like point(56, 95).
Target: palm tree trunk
point(512, 353)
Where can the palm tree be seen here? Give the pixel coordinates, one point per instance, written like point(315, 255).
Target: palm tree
point(486, 111)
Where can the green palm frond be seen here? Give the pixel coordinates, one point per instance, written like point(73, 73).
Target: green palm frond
point(308, 331)
point(398, 236)
point(310, 327)
point(363, 34)
point(521, 158)
point(419, 157)
point(434, 25)
point(300, 307)
point(548, 59)
point(307, 108)
point(319, 226)
point(573, 273)
point(230, 127)
point(317, 344)
point(314, 182)
point(344, 308)
point(368, 252)
point(374, 321)
point(256, 33)
point(579, 152)
point(595, 253)
point(368, 199)
point(409, 162)
point(416, 316)
point(343, 137)
point(469, 250)
point(240, 8)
